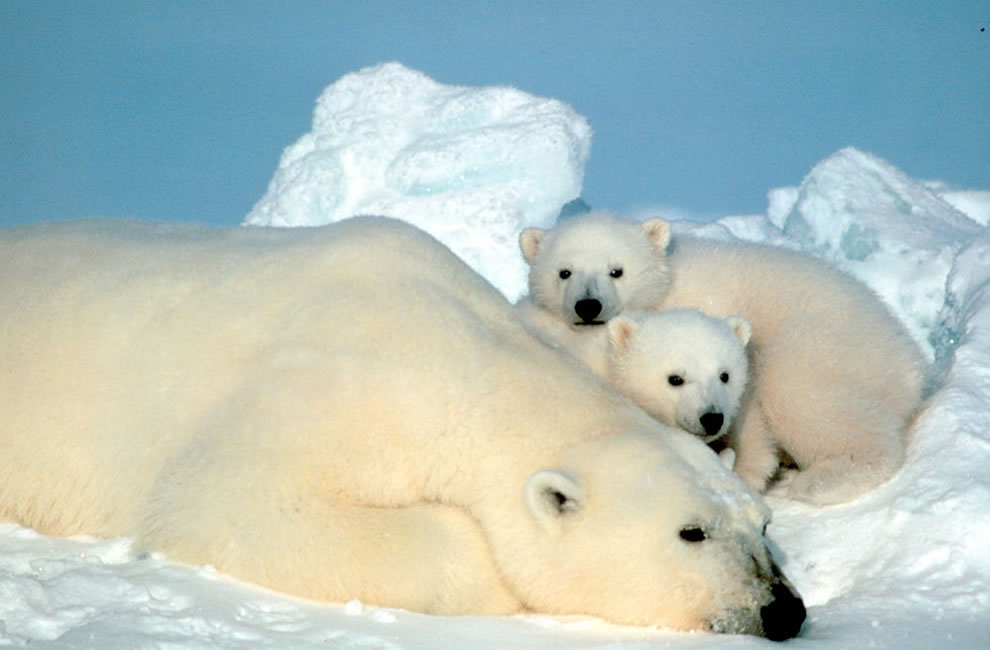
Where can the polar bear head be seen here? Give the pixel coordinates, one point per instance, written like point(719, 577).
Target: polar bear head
point(588, 269)
point(684, 368)
point(653, 531)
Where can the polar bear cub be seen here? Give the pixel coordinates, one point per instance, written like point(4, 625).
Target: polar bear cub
point(836, 378)
point(684, 368)
point(589, 270)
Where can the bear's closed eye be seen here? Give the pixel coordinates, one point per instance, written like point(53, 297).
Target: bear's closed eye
point(693, 534)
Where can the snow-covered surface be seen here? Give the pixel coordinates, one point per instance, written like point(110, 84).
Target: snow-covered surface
point(470, 166)
point(895, 233)
point(974, 203)
point(905, 566)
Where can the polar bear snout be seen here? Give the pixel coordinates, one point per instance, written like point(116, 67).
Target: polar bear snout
point(783, 616)
point(779, 619)
point(707, 427)
point(712, 422)
point(589, 298)
point(588, 310)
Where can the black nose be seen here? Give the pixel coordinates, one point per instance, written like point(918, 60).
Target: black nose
point(712, 423)
point(588, 309)
point(784, 615)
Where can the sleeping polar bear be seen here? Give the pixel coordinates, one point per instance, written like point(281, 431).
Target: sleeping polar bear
point(351, 412)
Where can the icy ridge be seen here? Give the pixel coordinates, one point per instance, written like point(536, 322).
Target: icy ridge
point(472, 166)
point(897, 234)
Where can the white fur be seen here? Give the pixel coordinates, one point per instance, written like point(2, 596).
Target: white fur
point(351, 412)
point(684, 368)
point(836, 379)
point(602, 259)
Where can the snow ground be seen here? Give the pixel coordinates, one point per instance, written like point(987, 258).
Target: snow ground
point(906, 566)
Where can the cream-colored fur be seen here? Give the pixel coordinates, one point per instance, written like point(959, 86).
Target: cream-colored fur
point(835, 378)
point(351, 412)
point(604, 261)
point(685, 368)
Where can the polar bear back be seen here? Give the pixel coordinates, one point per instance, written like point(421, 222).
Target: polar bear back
point(817, 304)
point(134, 340)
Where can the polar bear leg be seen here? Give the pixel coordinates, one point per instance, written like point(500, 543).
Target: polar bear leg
point(756, 452)
point(834, 480)
point(831, 416)
point(859, 455)
point(427, 557)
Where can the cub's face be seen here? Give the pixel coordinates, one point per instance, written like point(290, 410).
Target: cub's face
point(590, 269)
point(684, 368)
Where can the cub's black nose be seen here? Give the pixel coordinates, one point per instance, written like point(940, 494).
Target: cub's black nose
point(711, 422)
point(784, 615)
point(588, 309)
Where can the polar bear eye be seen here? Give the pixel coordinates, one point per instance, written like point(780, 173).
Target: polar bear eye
point(615, 273)
point(675, 380)
point(564, 274)
point(693, 534)
point(724, 377)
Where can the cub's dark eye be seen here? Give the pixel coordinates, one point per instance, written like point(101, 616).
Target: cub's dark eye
point(724, 377)
point(564, 274)
point(615, 273)
point(693, 534)
point(675, 380)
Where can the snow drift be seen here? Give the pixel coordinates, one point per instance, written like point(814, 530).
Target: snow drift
point(905, 566)
point(455, 161)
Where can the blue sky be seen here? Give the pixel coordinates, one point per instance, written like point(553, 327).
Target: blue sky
point(179, 110)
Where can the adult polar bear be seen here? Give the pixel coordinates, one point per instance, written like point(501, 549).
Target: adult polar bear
point(836, 379)
point(351, 412)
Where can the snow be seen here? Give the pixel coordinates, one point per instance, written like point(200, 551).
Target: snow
point(865, 215)
point(973, 203)
point(471, 166)
point(905, 566)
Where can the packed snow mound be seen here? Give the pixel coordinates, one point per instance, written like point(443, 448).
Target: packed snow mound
point(974, 204)
point(848, 197)
point(458, 162)
point(865, 215)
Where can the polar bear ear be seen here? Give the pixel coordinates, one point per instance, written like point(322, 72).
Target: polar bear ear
point(741, 327)
point(620, 331)
point(658, 232)
point(529, 242)
point(553, 494)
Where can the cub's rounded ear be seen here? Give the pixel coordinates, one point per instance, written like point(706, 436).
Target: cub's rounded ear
point(529, 242)
point(741, 327)
point(620, 331)
point(552, 495)
point(658, 232)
